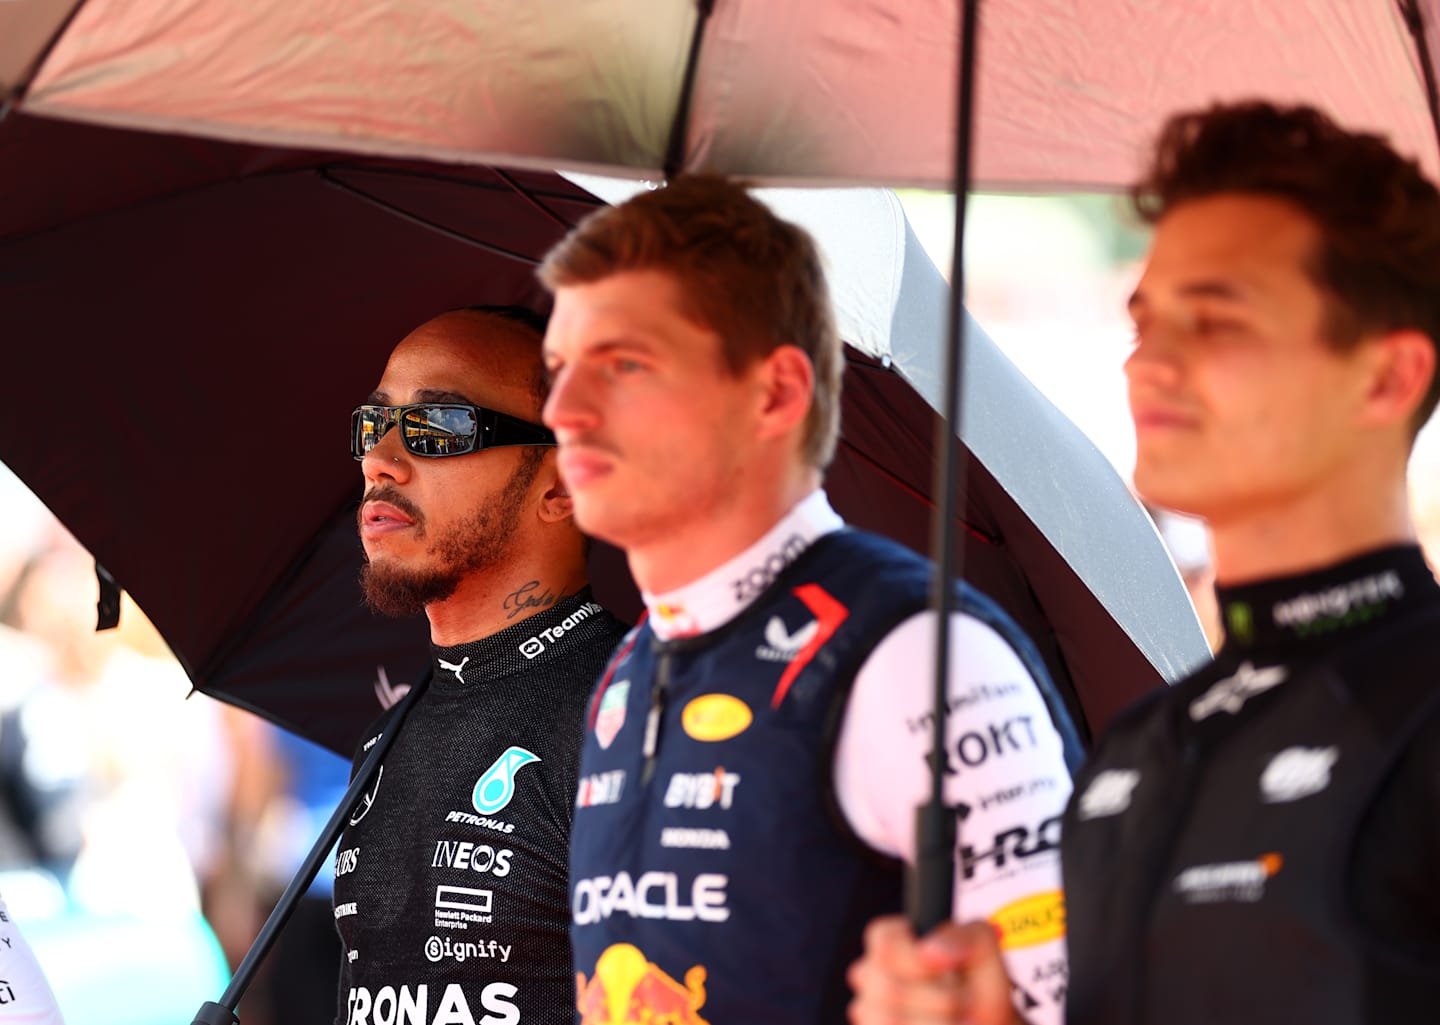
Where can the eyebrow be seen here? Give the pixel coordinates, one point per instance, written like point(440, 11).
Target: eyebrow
point(1204, 289)
point(380, 398)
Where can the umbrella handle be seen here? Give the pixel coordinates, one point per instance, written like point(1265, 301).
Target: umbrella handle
point(223, 1013)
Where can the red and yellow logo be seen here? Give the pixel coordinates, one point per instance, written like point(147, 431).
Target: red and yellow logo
point(629, 990)
point(1037, 918)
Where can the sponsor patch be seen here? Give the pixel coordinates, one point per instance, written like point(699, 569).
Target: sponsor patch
point(1108, 794)
point(714, 717)
point(496, 786)
point(1230, 694)
point(1011, 849)
point(611, 716)
point(1240, 881)
point(459, 907)
point(420, 1005)
point(701, 790)
point(695, 839)
point(460, 951)
point(638, 989)
point(780, 644)
point(1038, 918)
point(601, 788)
point(472, 857)
point(368, 801)
point(1297, 772)
point(657, 895)
point(345, 910)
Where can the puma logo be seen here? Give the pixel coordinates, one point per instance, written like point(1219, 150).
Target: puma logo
point(454, 668)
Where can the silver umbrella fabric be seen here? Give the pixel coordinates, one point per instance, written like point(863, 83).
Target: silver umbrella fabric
point(800, 91)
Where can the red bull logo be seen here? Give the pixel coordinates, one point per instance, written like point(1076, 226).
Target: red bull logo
point(629, 990)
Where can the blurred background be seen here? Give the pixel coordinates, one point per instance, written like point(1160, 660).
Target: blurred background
point(144, 835)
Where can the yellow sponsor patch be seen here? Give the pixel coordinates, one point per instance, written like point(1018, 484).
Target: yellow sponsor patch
point(1037, 918)
point(715, 717)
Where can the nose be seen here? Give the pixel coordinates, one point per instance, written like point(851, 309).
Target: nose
point(572, 405)
point(387, 461)
point(1156, 359)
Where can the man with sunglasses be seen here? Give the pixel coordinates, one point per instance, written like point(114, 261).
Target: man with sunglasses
point(450, 893)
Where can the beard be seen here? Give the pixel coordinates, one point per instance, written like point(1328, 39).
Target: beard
point(479, 542)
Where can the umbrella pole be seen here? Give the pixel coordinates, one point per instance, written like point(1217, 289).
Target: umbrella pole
point(930, 889)
point(223, 1012)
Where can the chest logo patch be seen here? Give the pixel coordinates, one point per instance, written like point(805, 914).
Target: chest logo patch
point(780, 644)
point(1108, 793)
point(628, 987)
point(1230, 881)
point(713, 717)
point(1231, 693)
point(368, 801)
point(1297, 772)
point(495, 788)
point(612, 713)
point(1031, 920)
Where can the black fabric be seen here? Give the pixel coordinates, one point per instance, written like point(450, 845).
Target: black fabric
point(450, 881)
point(1332, 909)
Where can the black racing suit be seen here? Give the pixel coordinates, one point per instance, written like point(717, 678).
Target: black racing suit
point(450, 881)
point(1261, 843)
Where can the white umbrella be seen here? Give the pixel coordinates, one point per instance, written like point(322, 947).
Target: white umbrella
point(799, 90)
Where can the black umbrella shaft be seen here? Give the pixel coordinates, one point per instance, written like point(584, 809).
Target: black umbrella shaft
point(223, 1012)
point(932, 882)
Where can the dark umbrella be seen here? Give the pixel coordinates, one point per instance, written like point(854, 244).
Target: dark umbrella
point(189, 323)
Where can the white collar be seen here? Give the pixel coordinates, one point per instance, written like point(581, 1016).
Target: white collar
point(722, 594)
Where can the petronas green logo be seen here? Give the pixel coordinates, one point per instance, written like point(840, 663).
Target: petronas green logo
point(1240, 621)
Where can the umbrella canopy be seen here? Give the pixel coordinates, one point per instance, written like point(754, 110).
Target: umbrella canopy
point(192, 322)
point(806, 90)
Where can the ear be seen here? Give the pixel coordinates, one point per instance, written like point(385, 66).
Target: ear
point(788, 379)
point(1404, 366)
point(556, 505)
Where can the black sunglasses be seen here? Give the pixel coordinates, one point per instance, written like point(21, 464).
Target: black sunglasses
point(438, 429)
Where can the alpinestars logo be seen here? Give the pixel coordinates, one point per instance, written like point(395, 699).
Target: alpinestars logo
point(1231, 693)
point(780, 644)
point(1297, 772)
point(453, 668)
point(496, 786)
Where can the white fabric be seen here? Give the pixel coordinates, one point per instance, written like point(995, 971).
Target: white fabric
point(807, 91)
point(1010, 773)
point(25, 996)
point(722, 594)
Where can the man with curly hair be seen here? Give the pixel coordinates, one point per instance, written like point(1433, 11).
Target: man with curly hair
point(1259, 842)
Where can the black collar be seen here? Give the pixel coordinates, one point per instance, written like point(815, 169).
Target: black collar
point(1309, 612)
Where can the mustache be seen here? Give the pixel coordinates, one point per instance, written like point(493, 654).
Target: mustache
point(391, 494)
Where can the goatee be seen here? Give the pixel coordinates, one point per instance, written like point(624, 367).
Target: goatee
point(479, 542)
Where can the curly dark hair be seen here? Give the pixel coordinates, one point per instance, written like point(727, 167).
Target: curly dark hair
point(1378, 262)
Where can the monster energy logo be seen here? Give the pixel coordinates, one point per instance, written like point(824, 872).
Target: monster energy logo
point(1344, 605)
point(1240, 621)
